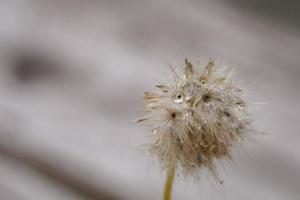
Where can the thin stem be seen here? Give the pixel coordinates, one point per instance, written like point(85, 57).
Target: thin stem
point(169, 181)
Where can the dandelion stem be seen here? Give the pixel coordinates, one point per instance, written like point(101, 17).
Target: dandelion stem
point(169, 181)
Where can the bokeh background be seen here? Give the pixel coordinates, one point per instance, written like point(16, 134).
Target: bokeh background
point(72, 75)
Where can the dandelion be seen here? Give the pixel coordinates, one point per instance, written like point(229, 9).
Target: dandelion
point(195, 120)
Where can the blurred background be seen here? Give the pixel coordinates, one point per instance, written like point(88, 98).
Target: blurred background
point(72, 76)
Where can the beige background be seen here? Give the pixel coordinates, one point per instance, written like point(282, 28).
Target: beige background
point(72, 78)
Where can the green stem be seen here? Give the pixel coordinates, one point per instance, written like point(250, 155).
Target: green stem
point(169, 181)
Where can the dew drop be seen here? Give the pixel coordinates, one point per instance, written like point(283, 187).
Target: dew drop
point(178, 100)
point(199, 158)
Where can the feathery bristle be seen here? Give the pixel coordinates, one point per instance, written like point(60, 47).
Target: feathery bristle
point(197, 118)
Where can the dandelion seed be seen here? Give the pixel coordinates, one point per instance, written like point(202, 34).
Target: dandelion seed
point(197, 118)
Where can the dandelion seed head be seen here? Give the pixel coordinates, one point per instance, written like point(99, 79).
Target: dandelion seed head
point(196, 118)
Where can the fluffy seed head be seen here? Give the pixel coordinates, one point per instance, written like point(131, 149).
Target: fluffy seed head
point(196, 118)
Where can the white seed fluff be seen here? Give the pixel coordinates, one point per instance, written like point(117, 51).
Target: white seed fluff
point(197, 118)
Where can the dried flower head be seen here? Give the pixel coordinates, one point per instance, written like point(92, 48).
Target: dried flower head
point(197, 118)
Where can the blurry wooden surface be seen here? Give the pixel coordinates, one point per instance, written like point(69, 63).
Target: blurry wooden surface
point(72, 77)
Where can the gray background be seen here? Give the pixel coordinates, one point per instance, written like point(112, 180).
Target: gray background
point(72, 75)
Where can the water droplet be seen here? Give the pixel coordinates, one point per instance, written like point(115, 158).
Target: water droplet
point(178, 100)
point(199, 158)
